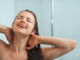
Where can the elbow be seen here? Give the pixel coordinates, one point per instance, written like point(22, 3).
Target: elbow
point(72, 45)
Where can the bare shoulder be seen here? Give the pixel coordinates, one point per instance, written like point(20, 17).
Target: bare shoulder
point(3, 45)
point(50, 53)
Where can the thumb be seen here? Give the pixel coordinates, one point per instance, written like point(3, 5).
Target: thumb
point(28, 48)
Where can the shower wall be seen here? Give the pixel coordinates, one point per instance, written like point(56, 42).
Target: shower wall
point(66, 17)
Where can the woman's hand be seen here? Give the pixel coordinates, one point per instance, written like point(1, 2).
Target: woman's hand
point(9, 35)
point(32, 42)
point(7, 32)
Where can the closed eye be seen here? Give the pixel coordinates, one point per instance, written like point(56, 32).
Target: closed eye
point(29, 20)
point(20, 17)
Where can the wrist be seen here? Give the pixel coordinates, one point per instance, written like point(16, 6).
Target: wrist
point(37, 38)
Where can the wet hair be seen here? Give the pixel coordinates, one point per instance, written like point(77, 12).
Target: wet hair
point(36, 52)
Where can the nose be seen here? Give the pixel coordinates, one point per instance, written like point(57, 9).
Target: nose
point(23, 20)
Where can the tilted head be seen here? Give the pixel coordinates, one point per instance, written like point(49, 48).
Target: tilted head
point(25, 23)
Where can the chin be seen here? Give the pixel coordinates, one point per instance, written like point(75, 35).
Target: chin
point(21, 33)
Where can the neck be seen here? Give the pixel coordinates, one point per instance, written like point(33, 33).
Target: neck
point(19, 43)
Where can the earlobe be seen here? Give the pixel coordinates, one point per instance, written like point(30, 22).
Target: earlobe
point(33, 32)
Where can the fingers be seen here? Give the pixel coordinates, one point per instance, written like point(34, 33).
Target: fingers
point(29, 48)
point(32, 34)
point(9, 35)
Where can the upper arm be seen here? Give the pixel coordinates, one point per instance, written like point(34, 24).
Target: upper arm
point(50, 53)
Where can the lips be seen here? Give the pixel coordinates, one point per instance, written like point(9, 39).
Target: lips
point(21, 26)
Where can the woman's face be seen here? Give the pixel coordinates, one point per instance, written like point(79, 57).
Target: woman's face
point(24, 23)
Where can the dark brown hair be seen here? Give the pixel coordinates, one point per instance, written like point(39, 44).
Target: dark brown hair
point(36, 52)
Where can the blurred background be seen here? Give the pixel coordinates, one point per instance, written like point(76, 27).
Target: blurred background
point(60, 18)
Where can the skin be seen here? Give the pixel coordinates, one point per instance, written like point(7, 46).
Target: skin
point(18, 40)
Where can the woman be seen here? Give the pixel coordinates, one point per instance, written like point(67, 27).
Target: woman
point(25, 41)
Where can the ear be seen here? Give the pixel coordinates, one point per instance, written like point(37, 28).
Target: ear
point(33, 32)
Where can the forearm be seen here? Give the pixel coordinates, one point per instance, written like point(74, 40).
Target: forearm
point(3, 29)
point(57, 41)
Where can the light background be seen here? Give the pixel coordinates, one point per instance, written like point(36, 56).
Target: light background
point(65, 14)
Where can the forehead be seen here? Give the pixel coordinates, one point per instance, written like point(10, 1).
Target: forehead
point(26, 14)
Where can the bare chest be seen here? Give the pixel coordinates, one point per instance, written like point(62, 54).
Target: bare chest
point(13, 57)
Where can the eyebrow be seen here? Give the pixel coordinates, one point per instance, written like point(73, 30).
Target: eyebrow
point(19, 16)
point(23, 16)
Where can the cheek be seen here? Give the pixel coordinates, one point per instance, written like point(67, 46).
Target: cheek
point(13, 25)
point(13, 28)
point(31, 27)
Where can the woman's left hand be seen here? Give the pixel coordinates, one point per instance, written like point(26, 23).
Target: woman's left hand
point(32, 42)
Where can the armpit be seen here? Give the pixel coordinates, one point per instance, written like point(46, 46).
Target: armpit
point(2, 44)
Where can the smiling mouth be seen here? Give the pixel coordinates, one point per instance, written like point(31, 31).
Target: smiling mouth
point(21, 26)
